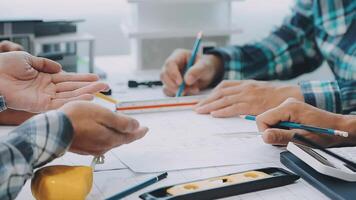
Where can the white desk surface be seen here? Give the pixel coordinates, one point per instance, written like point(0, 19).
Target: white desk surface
point(110, 182)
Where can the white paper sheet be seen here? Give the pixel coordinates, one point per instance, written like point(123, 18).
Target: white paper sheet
point(184, 140)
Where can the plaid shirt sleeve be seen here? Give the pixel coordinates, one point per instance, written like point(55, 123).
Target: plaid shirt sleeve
point(287, 52)
point(333, 96)
point(31, 145)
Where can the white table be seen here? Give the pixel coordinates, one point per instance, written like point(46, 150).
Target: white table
point(107, 183)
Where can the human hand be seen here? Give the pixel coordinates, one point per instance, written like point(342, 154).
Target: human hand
point(231, 98)
point(296, 111)
point(205, 70)
point(97, 129)
point(6, 46)
point(36, 84)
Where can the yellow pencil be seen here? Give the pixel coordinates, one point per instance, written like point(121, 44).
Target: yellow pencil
point(106, 98)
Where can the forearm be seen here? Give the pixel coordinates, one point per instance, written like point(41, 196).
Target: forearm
point(31, 145)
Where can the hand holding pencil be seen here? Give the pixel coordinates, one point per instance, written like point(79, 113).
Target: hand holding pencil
point(204, 69)
point(299, 112)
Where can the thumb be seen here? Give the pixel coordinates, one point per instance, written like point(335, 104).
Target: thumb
point(194, 73)
point(44, 65)
point(277, 136)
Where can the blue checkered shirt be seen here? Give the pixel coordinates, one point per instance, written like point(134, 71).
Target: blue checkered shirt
point(31, 145)
point(317, 31)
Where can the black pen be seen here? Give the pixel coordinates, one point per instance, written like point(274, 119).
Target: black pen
point(138, 187)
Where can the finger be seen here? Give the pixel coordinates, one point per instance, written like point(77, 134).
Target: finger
point(229, 111)
point(70, 86)
point(132, 136)
point(180, 57)
point(195, 72)
point(57, 103)
point(169, 92)
point(115, 121)
point(204, 104)
point(123, 123)
point(192, 90)
point(173, 72)
point(217, 104)
point(277, 136)
point(17, 47)
point(14, 47)
point(44, 65)
point(219, 93)
point(273, 116)
point(168, 82)
point(6, 46)
point(119, 123)
point(64, 77)
point(105, 139)
point(214, 96)
point(175, 64)
point(89, 89)
point(233, 110)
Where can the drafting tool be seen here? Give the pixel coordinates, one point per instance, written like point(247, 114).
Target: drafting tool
point(106, 98)
point(294, 125)
point(139, 187)
point(224, 186)
point(159, 105)
point(190, 62)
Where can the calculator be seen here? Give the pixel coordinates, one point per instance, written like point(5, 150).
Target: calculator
point(323, 163)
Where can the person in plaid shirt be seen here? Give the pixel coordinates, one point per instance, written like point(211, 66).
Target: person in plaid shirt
point(32, 84)
point(317, 31)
